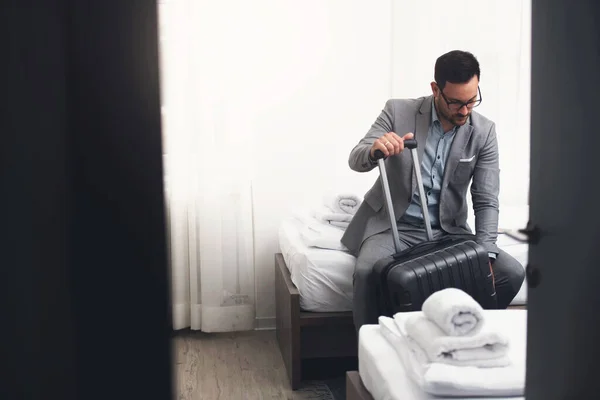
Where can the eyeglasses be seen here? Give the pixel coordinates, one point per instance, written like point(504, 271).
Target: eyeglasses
point(457, 105)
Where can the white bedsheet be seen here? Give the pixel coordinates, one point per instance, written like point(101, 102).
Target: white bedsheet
point(324, 277)
point(383, 372)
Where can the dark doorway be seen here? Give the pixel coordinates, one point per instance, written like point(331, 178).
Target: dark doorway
point(564, 322)
point(84, 283)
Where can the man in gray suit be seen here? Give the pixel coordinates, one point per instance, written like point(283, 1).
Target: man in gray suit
point(456, 146)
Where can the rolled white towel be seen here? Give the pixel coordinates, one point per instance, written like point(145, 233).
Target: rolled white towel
point(454, 311)
point(486, 349)
point(344, 203)
point(339, 224)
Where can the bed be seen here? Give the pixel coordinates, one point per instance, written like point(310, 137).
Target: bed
point(314, 302)
point(382, 374)
point(323, 276)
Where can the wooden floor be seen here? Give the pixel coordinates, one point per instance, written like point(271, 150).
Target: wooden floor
point(231, 366)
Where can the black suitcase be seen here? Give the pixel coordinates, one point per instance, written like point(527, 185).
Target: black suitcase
point(403, 281)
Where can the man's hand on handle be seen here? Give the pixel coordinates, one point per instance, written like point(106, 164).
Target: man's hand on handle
point(390, 144)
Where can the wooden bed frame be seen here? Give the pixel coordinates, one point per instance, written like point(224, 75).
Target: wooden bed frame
point(311, 341)
point(355, 389)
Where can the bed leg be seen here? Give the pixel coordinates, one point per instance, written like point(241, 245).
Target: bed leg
point(287, 312)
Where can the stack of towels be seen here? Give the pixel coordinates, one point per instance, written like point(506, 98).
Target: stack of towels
point(448, 349)
point(324, 226)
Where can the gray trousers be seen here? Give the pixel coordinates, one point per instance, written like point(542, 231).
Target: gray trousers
point(508, 272)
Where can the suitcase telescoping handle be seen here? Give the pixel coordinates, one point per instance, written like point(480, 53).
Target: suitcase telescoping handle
point(410, 144)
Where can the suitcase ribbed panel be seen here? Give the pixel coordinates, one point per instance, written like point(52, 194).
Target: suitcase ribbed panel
point(459, 269)
point(453, 270)
point(403, 282)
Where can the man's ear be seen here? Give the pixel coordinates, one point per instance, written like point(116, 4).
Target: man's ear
point(434, 89)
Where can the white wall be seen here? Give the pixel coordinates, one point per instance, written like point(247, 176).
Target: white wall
point(329, 76)
point(498, 34)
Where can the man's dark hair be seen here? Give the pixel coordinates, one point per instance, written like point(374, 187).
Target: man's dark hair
point(455, 67)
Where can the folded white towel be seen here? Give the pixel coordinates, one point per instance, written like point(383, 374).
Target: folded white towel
point(315, 233)
point(454, 311)
point(327, 215)
point(344, 203)
point(449, 380)
point(486, 349)
point(340, 224)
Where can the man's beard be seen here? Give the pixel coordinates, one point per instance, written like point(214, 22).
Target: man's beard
point(459, 119)
point(455, 119)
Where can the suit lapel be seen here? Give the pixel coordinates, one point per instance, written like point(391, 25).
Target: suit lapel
point(423, 122)
point(422, 125)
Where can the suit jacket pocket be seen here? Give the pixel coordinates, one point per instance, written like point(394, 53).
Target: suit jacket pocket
point(463, 172)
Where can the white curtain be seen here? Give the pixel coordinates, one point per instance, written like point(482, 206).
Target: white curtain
point(208, 174)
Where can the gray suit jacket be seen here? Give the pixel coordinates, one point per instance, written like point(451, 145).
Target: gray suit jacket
point(473, 156)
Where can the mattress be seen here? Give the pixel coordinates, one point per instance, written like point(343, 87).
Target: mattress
point(324, 276)
point(383, 373)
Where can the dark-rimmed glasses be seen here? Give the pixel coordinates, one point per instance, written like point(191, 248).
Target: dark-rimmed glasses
point(456, 105)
